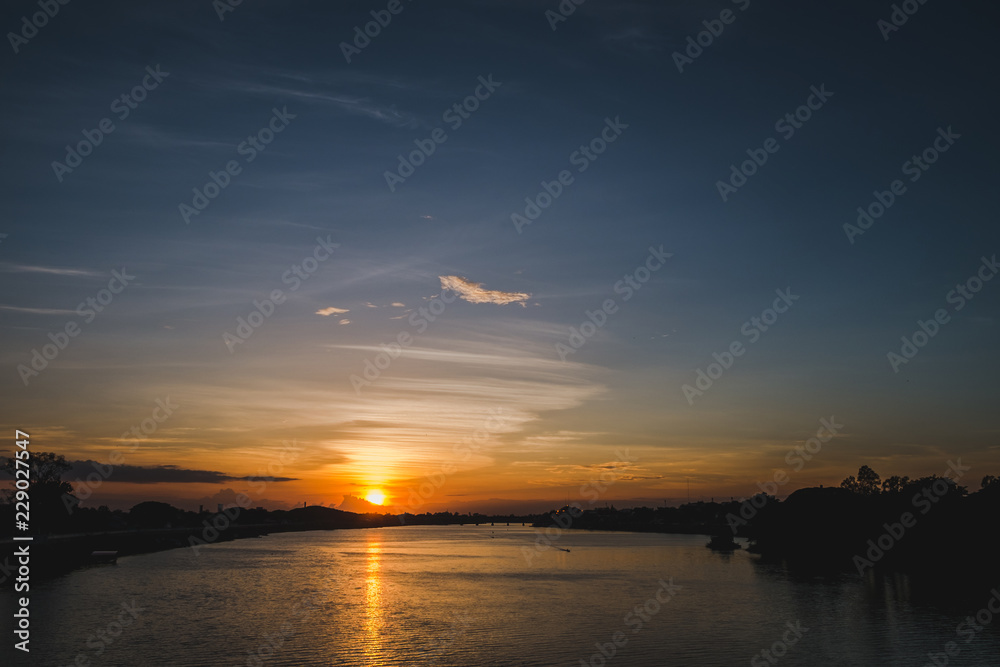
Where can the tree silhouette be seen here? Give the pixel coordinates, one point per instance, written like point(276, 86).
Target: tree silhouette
point(47, 488)
point(989, 480)
point(851, 484)
point(894, 484)
point(867, 483)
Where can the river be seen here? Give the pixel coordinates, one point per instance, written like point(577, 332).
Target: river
point(468, 595)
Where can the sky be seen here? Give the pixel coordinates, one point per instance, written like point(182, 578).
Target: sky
point(494, 257)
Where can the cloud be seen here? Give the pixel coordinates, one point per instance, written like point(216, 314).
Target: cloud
point(397, 304)
point(164, 474)
point(474, 292)
point(362, 106)
point(344, 321)
point(325, 312)
point(23, 268)
point(40, 311)
point(359, 505)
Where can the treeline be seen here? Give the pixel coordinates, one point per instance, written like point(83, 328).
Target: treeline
point(930, 525)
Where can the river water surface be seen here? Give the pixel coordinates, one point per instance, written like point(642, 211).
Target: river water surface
point(468, 595)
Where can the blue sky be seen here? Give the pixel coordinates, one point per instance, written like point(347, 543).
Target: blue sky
point(494, 345)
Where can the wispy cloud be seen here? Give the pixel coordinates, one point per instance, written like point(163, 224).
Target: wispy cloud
point(361, 106)
point(326, 312)
point(475, 293)
point(39, 311)
point(52, 270)
point(437, 396)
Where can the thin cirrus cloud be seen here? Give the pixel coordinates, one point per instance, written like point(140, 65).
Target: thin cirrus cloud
point(358, 105)
point(410, 420)
point(52, 270)
point(326, 312)
point(475, 293)
point(40, 311)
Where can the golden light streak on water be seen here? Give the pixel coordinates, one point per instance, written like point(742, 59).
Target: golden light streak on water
point(374, 612)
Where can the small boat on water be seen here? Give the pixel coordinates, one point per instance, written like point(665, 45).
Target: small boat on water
point(722, 543)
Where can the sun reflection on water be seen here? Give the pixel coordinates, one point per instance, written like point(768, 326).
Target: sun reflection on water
point(374, 614)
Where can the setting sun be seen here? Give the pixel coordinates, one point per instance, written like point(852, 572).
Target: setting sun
point(375, 497)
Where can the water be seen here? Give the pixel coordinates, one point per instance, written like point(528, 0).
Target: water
point(454, 595)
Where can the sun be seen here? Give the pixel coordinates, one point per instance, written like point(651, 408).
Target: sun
point(375, 497)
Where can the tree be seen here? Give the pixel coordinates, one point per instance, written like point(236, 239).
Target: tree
point(47, 489)
point(894, 484)
point(869, 481)
point(44, 472)
point(990, 480)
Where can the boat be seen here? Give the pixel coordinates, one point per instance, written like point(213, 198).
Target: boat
point(722, 543)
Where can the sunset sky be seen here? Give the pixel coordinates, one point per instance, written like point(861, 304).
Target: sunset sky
point(485, 302)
